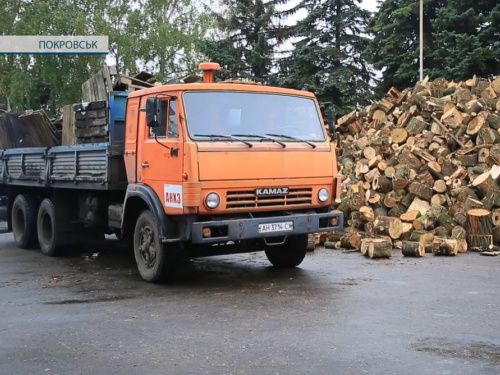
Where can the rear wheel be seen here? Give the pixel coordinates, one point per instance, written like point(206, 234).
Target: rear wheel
point(290, 254)
point(24, 221)
point(48, 229)
point(155, 261)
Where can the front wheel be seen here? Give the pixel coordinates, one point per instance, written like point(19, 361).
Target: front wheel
point(155, 261)
point(290, 254)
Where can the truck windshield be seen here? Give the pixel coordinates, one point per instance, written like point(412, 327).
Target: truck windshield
point(252, 115)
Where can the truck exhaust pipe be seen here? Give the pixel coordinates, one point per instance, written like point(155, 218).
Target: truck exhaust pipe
point(208, 71)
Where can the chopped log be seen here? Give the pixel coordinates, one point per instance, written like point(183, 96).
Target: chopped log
point(444, 246)
point(380, 248)
point(479, 227)
point(440, 186)
point(407, 230)
point(412, 249)
point(330, 245)
point(383, 184)
point(483, 155)
point(491, 199)
point(416, 234)
point(397, 210)
point(351, 241)
point(459, 233)
point(380, 211)
point(468, 159)
point(409, 216)
point(420, 190)
point(446, 221)
point(462, 246)
point(420, 206)
point(487, 136)
point(480, 243)
point(410, 160)
point(399, 135)
point(484, 183)
point(495, 153)
point(369, 152)
point(440, 232)
point(495, 85)
point(495, 217)
point(425, 178)
point(496, 235)
point(367, 213)
point(493, 121)
point(387, 225)
point(460, 218)
point(371, 175)
point(438, 200)
point(475, 125)
point(452, 118)
point(416, 126)
point(391, 199)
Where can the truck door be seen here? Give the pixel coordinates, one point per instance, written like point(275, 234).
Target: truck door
point(160, 156)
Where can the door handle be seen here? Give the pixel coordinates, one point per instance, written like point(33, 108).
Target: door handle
point(145, 165)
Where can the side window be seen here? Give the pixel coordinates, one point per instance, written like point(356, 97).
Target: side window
point(173, 127)
point(161, 130)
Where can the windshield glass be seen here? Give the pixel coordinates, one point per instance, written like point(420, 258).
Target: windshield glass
point(251, 115)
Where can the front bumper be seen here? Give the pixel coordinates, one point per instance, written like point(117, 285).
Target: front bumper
point(246, 229)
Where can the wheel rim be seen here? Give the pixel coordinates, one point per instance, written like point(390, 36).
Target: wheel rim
point(147, 248)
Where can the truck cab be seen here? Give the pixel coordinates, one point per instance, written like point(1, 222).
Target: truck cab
point(226, 167)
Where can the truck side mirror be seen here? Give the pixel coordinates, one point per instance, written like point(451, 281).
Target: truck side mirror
point(332, 119)
point(152, 111)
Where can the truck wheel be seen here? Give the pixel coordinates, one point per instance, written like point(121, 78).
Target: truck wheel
point(290, 254)
point(24, 222)
point(48, 228)
point(155, 262)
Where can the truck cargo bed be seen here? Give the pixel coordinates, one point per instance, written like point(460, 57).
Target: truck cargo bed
point(89, 166)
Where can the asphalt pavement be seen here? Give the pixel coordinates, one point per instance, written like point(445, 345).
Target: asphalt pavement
point(338, 313)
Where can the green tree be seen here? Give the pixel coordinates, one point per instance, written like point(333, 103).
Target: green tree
point(467, 39)
point(248, 34)
point(394, 49)
point(328, 57)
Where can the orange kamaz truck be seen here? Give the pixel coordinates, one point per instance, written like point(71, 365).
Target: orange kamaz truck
point(189, 170)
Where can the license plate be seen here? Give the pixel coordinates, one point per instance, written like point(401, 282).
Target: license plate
point(276, 227)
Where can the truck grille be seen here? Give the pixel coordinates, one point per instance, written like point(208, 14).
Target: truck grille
point(248, 199)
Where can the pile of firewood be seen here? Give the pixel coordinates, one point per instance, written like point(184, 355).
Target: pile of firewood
point(420, 170)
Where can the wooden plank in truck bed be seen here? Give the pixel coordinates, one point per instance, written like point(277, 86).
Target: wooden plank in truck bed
point(89, 166)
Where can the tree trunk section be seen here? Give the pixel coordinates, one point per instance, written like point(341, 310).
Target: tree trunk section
point(479, 227)
point(391, 226)
point(380, 248)
point(444, 246)
point(412, 249)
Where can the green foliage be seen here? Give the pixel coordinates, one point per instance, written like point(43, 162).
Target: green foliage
point(156, 35)
point(247, 36)
point(460, 40)
point(328, 59)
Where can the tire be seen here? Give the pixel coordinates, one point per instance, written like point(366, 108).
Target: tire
point(24, 222)
point(290, 254)
point(48, 229)
point(155, 262)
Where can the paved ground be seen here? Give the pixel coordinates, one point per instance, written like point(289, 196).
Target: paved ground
point(336, 314)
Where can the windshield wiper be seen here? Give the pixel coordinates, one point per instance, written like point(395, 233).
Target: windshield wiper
point(260, 137)
point(224, 137)
point(290, 137)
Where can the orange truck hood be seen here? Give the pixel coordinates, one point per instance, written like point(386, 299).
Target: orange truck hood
point(232, 161)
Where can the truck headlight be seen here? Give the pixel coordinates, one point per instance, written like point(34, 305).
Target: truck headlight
point(212, 201)
point(323, 195)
